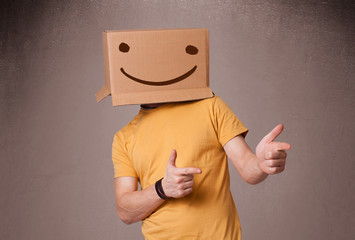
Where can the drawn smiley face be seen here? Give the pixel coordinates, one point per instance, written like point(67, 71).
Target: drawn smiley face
point(190, 49)
point(155, 65)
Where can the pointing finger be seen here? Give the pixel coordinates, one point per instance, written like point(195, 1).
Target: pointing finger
point(281, 146)
point(186, 171)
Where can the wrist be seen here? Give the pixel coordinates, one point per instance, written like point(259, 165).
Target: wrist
point(260, 168)
point(159, 189)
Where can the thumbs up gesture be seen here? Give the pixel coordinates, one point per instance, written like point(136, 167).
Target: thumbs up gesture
point(178, 182)
point(272, 155)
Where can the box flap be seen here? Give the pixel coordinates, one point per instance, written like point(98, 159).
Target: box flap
point(102, 93)
point(175, 95)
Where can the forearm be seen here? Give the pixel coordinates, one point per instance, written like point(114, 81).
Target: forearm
point(244, 160)
point(134, 206)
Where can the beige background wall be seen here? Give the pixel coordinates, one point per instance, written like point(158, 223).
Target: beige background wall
point(290, 62)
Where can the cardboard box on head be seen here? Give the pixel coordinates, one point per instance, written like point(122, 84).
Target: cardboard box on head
point(155, 66)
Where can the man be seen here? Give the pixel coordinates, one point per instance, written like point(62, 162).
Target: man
point(178, 152)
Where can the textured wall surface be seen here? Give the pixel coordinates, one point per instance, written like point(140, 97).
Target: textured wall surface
point(273, 61)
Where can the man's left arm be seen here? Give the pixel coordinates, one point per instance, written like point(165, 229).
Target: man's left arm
point(269, 158)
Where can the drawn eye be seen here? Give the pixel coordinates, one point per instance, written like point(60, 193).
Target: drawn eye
point(123, 47)
point(192, 50)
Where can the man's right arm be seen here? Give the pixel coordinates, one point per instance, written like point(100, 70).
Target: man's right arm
point(133, 205)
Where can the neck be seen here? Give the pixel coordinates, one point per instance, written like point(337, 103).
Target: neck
point(152, 105)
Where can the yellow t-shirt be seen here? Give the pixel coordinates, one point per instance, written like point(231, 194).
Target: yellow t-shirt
point(198, 130)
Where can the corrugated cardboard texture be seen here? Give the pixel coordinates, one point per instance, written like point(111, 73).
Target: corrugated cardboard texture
point(151, 66)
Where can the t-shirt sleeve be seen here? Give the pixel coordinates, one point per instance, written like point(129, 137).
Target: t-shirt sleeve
point(122, 164)
point(227, 124)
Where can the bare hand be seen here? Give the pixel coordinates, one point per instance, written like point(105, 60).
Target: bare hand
point(178, 182)
point(271, 155)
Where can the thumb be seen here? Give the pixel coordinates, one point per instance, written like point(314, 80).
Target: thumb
point(172, 158)
point(271, 136)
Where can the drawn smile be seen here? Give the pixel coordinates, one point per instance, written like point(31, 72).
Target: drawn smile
point(167, 82)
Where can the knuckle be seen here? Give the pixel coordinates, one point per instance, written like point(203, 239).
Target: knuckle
point(181, 193)
point(268, 163)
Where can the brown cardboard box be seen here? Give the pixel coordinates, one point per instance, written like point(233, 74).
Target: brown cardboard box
point(153, 66)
